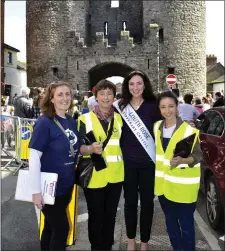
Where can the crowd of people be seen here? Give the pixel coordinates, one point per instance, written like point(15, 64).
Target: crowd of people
point(136, 134)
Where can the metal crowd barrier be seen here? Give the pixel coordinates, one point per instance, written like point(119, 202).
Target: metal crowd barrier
point(15, 137)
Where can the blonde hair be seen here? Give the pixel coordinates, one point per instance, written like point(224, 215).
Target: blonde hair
point(47, 107)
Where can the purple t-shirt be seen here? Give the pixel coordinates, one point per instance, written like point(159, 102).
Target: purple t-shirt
point(132, 150)
point(48, 138)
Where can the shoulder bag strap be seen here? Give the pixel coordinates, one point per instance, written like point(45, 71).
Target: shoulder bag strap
point(109, 134)
point(61, 127)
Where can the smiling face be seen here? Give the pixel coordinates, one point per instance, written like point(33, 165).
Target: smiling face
point(105, 98)
point(136, 86)
point(168, 108)
point(62, 99)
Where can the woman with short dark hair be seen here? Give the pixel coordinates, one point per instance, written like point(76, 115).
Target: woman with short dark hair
point(104, 188)
point(139, 110)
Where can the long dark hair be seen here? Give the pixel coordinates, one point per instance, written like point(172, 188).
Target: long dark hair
point(126, 95)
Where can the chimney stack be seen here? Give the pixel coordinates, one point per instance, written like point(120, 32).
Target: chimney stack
point(211, 60)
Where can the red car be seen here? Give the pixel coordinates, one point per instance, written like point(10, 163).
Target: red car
point(212, 136)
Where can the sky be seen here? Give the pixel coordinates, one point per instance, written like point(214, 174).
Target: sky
point(15, 27)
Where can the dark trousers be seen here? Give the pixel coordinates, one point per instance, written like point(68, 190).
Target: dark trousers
point(139, 180)
point(56, 225)
point(102, 206)
point(179, 223)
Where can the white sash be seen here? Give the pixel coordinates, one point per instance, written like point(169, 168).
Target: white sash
point(138, 128)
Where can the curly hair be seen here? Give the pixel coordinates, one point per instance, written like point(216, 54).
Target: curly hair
point(47, 107)
point(127, 96)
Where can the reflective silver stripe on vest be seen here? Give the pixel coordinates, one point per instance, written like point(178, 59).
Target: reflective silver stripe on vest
point(113, 158)
point(113, 142)
point(159, 174)
point(188, 132)
point(182, 180)
point(88, 122)
point(159, 157)
point(166, 162)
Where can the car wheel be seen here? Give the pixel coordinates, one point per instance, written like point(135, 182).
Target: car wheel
point(214, 206)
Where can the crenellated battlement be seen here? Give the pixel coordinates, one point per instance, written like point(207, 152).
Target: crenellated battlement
point(100, 41)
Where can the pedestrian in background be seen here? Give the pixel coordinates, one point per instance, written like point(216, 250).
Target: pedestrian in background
point(138, 99)
point(211, 100)
point(219, 99)
point(23, 105)
point(50, 152)
point(37, 102)
point(177, 178)
point(198, 104)
point(104, 189)
point(92, 102)
point(206, 105)
point(187, 111)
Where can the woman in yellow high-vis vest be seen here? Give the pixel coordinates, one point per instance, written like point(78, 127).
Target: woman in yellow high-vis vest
point(104, 189)
point(177, 179)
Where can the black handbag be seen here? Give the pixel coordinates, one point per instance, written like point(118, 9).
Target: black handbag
point(183, 147)
point(85, 165)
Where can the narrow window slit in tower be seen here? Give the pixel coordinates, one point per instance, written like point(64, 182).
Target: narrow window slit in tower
point(77, 65)
point(106, 28)
point(124, 25)
point(148, 63)
point(170, 70)
point(55, 71)
point(161, 35)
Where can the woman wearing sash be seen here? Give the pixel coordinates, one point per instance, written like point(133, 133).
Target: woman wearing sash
point(177, 177)
point(104, 189)
point(139, 111)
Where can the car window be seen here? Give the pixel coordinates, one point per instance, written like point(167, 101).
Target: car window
point(220, 128)
point(203, 121)
point(213, 124)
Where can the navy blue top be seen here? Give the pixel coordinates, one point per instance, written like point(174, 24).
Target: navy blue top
point(165, 143)
point(132, 150)
point(49, 139)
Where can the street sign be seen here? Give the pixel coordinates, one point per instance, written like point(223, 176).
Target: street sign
point(171, 79)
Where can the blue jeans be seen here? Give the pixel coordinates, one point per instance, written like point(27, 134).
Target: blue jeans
point(179, 223)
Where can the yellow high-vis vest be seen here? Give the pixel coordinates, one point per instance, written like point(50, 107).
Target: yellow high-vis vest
point(112, 153)
point(177, 185)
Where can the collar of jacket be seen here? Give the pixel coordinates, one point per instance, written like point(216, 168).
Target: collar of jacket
point(178, 124)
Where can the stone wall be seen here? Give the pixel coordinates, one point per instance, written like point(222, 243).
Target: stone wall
point(128, 11)
point(66, 41)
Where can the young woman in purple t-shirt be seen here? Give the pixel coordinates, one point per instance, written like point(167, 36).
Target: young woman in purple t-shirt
point(139, 167)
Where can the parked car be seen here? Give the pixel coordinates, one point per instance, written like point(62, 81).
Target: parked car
point(212, 136)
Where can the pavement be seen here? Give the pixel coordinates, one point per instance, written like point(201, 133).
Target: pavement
point(19, 223)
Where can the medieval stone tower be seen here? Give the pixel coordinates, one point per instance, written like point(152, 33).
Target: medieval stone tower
point(86, 41)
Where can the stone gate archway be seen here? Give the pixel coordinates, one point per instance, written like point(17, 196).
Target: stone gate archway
point(105, 70)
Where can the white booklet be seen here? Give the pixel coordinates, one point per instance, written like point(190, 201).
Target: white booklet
point(48, 187)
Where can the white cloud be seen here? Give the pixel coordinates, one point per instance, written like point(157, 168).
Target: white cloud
point(15, 35)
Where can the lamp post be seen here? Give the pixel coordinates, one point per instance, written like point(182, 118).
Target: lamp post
point(156, 27)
